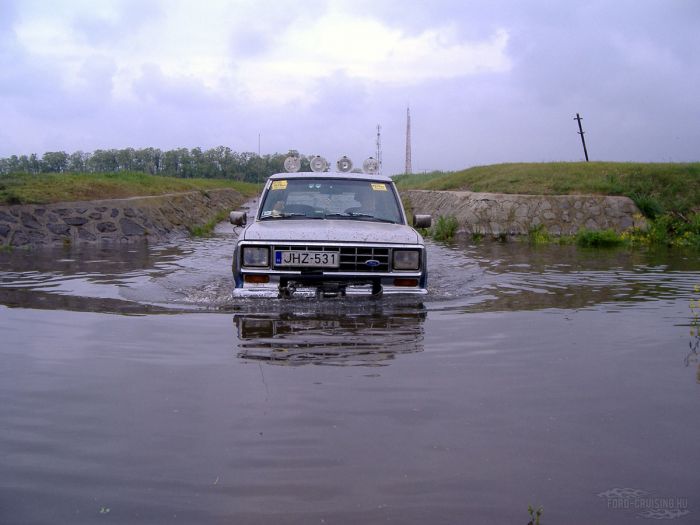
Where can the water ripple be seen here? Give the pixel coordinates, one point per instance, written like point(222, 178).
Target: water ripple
point(194, 274)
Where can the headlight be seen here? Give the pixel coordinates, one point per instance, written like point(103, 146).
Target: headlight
point(406, 259)
point(256, 256)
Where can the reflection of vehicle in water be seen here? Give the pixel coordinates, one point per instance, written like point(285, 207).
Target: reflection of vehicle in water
point(357, 334)
point(330, 233)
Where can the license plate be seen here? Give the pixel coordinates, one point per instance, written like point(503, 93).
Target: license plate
point(307, 259)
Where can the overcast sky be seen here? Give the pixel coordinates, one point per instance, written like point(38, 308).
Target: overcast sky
point(487, 81)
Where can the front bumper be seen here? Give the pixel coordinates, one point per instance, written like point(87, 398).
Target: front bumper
point(285, 285)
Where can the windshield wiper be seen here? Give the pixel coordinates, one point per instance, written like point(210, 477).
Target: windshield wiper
point(282, 216)
point(358, 215)
point(373, 218)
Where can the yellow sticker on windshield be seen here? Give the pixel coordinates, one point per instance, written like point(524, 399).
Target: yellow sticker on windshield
point(279, 185)
point(378, 187)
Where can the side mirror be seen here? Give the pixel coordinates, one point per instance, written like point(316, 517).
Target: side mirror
point(422, 221)
point(238, 218)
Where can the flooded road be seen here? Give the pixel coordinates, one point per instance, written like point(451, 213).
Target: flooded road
point(135, 390)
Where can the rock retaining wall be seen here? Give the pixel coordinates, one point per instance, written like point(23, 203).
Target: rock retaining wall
point(131, 220)
point(500, 214)
point(163, 217)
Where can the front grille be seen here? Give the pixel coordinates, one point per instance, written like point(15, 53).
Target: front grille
point(352, 258)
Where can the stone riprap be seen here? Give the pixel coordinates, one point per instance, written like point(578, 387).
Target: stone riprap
point(164, 217)
point(136, 219)
point(500, 214)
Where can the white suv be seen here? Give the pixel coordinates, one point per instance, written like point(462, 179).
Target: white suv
point(329, 233)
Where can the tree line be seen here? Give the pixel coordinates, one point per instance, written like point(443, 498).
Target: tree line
point(219, 162)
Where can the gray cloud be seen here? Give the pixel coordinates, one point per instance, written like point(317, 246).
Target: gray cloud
point(131, 16)
point(629, 67)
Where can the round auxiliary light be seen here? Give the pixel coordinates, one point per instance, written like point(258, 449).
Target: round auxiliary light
point(292, 164)
point(370, 166)
point(318, 163)
point(344, 164)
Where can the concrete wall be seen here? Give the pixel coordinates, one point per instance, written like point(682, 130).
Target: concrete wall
point(113, 221)
point(504, 214)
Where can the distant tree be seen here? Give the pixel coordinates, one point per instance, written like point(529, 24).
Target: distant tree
point(275, 163)
point(216, 162)
point(184, 160)
point(23, 164)
point(103, 161)
point(34, 164)
point(125, 159)
point(54, 162)
point(170, 163)
point(10, 165)
point(147, 160)
point(196, 162)
point(256, 168)
point(77, 161)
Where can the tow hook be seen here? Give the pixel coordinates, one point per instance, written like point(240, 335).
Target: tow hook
point(286, 291)
point(326, 291)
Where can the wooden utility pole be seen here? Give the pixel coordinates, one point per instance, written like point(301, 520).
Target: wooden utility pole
point(580, 132)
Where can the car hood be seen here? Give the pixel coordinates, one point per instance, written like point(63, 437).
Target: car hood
point(324, 230)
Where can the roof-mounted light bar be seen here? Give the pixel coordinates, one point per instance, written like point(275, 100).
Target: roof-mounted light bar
point(292, 164)
point(370, 165)
point(318, 163)
point(344, 164)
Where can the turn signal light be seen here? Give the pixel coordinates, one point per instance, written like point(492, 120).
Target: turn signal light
point(256, 279)
point(405, 282)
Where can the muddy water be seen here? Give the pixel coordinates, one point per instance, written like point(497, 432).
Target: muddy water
point(133, 389)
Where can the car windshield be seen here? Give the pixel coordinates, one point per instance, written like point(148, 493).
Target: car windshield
point(330, 198)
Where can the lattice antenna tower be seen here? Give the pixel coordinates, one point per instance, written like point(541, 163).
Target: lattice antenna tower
point(379, 149)
point(409, 169)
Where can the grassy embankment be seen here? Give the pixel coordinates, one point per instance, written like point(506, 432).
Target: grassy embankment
point(668, 194)
point(66, 187)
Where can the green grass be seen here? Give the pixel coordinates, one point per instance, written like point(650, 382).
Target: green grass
point(599, 239)
point(207, 229)
point(444, 229)
point(668, 194)
point(539, 235)
point(670, 229)
point(535, 514)
point(664, 231)
point(656, 187)
point(64, 187)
